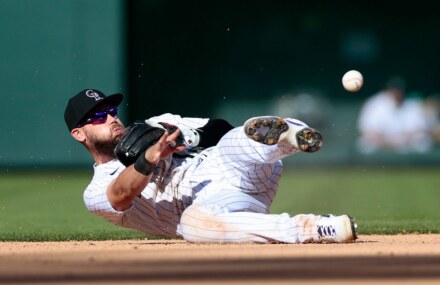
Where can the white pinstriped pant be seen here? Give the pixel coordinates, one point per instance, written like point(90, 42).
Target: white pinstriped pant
point(237, 183)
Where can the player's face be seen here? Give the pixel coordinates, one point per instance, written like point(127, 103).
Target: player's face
point(103, 130)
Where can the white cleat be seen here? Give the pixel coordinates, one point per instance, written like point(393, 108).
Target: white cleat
point(336, 229)
point(191, 137)
point(188, 137)
point(272, 130)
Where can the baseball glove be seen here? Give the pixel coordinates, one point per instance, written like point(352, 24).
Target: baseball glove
point(138, 138)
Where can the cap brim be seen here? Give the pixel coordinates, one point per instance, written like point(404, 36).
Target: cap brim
point(112, 100)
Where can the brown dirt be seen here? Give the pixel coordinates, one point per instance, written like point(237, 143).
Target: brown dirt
point(398, 259)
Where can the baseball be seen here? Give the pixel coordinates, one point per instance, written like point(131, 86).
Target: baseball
point(352, 81)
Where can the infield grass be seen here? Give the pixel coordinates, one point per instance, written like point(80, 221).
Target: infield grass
point(383, 201)
point(48, 206)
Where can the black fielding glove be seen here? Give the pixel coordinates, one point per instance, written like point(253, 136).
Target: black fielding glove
point(138, 138)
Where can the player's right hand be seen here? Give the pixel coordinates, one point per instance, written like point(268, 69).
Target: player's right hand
point(164, 147)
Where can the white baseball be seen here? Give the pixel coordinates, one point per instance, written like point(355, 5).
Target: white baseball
point(352, 81)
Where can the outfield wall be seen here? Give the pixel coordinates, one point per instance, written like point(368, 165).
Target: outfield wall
point(230, 59)
point(50, 50)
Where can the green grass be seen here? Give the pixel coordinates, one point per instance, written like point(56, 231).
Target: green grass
point(383, 201)
point(48, 205)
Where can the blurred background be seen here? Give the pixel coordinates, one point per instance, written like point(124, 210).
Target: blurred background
point(229, 59)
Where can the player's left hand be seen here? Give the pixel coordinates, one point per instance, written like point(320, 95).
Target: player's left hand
point(141, 136)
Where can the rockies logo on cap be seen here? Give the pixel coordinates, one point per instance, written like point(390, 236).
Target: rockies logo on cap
point(93, 94)
point(84, 102)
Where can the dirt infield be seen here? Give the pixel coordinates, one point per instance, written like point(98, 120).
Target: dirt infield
point(399, 259)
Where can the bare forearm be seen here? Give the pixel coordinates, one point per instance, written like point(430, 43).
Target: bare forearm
point(129, 184)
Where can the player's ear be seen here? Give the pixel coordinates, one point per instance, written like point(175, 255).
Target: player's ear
point(78, 134)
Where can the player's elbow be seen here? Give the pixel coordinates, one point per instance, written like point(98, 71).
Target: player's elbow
point(119, 197)
point(121, 202)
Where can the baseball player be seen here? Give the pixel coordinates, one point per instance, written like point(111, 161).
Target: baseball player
point(194, 178)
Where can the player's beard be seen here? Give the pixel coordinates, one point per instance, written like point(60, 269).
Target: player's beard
point(104, 146)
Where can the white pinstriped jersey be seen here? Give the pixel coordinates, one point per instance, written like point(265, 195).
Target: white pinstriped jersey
point(158, 209)
point(222, 194)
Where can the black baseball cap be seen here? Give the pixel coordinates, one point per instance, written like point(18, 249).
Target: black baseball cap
point(83, 103)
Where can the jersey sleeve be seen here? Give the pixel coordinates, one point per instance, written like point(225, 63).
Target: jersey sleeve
point(95, 195)
point(96, 202)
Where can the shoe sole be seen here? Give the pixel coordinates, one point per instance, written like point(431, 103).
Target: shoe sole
point(353, 226)
point(266, 130)
point(309, 140)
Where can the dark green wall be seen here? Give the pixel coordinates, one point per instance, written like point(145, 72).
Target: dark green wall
point(190, 56)
point(231, 59)
point(237, 59)
point(50, 50)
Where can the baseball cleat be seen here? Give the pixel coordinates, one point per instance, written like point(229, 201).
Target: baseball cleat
point(190, 138)
point(309, 140)
point(265, 130)
point(336, 229)
point(271, 130)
